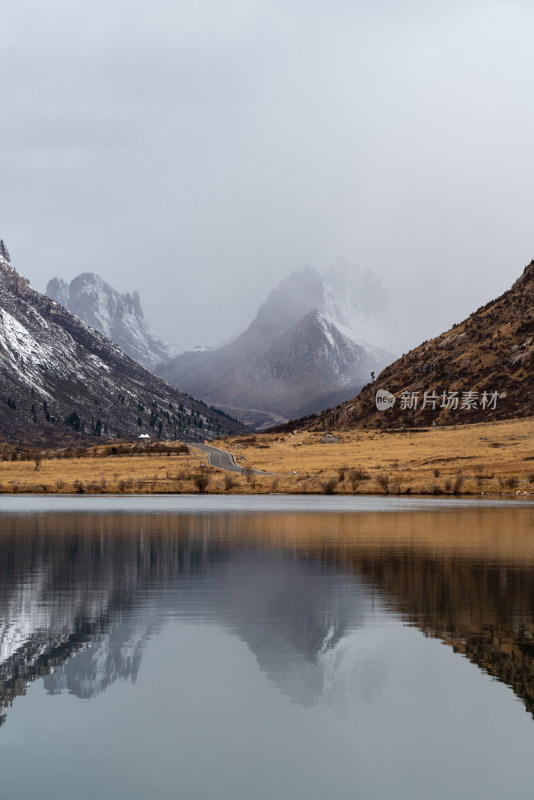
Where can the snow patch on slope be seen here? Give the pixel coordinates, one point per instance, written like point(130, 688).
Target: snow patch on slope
point(27, 356)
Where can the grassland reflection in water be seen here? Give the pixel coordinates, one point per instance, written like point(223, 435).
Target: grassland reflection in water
point(82, 594)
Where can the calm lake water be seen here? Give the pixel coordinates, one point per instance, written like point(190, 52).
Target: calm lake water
point(261, 648)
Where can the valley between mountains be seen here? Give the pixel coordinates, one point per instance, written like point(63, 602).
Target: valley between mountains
point(313, 361)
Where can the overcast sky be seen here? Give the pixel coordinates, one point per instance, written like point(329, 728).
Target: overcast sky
point(200, 151)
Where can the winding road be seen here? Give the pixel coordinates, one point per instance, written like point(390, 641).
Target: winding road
point(222, 459)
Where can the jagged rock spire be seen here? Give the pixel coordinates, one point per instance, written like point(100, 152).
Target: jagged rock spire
point(4, 252)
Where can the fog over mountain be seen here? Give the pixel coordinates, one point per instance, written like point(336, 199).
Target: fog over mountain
point(201, 152)
point(314, 342)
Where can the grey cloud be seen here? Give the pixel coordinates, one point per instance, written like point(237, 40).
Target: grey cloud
point(201, 152)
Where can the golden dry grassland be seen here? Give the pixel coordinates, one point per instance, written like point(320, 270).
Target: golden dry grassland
point(488, 458)
point(97, 472)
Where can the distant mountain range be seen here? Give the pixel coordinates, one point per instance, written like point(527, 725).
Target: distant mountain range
point(58, 376)
point(481, 369)
point(118, 316)
point(313, 343)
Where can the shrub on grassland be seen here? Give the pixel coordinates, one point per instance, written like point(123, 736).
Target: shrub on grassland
point(329, 485)
point(201, 481)
point(357, 477)
point(383, 482)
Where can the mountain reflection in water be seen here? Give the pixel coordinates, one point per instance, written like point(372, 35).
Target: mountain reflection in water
point(81, 595)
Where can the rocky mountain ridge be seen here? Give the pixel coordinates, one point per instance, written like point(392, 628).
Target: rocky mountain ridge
point(59, 377)
point(118, 316)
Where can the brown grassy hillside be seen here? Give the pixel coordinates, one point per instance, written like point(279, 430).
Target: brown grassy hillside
point(491, 351)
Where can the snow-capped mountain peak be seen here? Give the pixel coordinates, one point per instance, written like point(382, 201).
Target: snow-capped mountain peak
point(61, 378)
point(118, 316)
point(351, 299)
point(316, 340)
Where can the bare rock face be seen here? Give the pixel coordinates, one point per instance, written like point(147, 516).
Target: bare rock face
point(314, 343)
point(118, 316)
point(4, 252)
point(58, 290)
